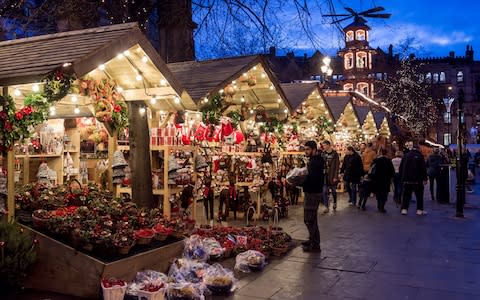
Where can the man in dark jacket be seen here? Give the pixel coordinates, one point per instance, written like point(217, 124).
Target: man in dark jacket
point(382, 179)
point(434, 161)
point(413, 176)
point(312, 188)
point(352, 170)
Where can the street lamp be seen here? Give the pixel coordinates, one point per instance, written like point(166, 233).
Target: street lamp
point(326, 70)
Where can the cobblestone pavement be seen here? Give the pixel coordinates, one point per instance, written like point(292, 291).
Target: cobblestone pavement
point(369, 255)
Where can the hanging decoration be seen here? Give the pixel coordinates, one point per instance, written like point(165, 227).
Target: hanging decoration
point(324, 125)
point(16, 125)
point(212, 112)
point(110, 108)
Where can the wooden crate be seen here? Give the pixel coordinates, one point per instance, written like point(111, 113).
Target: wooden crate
point(62, 269)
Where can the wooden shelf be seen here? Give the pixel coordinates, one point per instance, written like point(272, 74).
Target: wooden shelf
point(38, 155)
point(178, 147)
point(123, 148)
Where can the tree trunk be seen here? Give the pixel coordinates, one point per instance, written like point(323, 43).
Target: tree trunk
point(140, 155)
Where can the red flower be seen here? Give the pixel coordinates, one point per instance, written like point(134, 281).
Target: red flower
point(58, 75)
point(27, 110)
point(117, 108)
point(18, 116)
point(3, 115)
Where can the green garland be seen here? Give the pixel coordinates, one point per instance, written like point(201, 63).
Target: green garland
point(212, 111)
point(324, 125)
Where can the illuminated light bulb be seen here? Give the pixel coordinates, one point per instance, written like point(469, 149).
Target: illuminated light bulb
point(163, 82)
point(318, 96)
point(245, 74)
point(242, 99)
point(255, 68)
point(264, 75)
point(101, 67)
point(145, 59)
point(52, 108)
point(126, 52)
point(67, 64)
point(120, 55)
point(52, 112)
point(142, 110)
point(177, 100)
point(279, 100)
point(74, 99)
point(119, 89)
point(76, 110)
point(35, 88)
point(139, 77)
point(221, 91)
point(205, 100)
point(285, 111)
point(153, 100)
point(251, 111)
point(17, 92)
point(271, 87)
point(234, 82)
point(235, 86)
point(322, 105)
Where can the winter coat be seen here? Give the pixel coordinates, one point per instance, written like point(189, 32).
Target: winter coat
point(412, 168)
point(367, 158)
point(433, 163)
point(383, 175)
point(314, 181)
point(352, 168)
point(332, 167)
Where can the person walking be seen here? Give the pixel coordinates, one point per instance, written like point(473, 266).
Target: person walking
point(413, 176)
point(208, 199)
point(366, 183)
point(312, 188)
point(352, 170)
point(332, 168)
point(397, 187)
point(382, 175)
point(433, 163)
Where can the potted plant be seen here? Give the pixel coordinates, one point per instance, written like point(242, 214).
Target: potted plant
point(18, 251)
point(144, 236)
point(40, 218)
point(161, 232)
point(123, 241)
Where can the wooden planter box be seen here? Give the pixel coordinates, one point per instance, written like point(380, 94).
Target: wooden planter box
point(62, 269)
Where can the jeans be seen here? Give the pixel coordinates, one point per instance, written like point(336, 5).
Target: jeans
point(416, 188)
point(208, 203)
point(397, 188)
point(333, 190)
point(433, 180)
point(352, 189)
point(310, 212)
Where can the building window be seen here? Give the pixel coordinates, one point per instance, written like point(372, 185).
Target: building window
point(442, 77)
point(317, 77)
point(348, 87)
point(348, 60)
point(360, 35)
point(435, 77)
point(428, 78)
point(421, 78)
point(349, 36)
point(361, 60)
point(447, 139)
point(447, 118)
point(378, 76)
point(459, 76)
point(384, 76)
point(362, 87)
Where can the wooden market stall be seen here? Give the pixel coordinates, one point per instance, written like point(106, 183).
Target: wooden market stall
point(369, 128)
point(242, 88)
point(98, 72)
point(347, 124)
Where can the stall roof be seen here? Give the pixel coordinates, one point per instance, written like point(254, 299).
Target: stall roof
point(378, 116)
point(337, 103)
point(297, 93)
point(205, 78)
point(30, 59)
point(362, 112)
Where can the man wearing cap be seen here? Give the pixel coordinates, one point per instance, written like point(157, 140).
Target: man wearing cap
point(312, 188)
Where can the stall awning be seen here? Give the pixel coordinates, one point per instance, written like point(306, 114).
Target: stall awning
point(362, 112)
point(337, 103)
point(297, 93)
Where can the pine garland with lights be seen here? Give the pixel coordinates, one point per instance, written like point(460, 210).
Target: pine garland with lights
point(408, 97)
point(213, 110)
point(18, 251)
point(324, 125)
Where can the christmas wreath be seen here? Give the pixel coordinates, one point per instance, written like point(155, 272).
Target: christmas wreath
point(110, 108)
point(57, 85)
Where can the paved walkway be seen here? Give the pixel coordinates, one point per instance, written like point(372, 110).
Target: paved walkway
point(368, 255)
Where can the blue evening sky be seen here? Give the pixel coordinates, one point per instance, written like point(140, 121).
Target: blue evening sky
point(437, 27)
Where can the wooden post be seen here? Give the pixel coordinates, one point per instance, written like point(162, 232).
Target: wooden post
point(11, 184)
point(167, 209)
point(140, 165)
point(112, 145)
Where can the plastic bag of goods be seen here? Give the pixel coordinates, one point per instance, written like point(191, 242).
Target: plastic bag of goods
point(297, 176)
point(187, 270)
point(213, 248)
point(113, 289)
point(219, 280)
point(195, 249)
point(250, 260)
point(152, 292)
point(149, 283)
point(184, 291)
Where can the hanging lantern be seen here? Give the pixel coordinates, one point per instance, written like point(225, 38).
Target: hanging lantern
point(229, 90)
